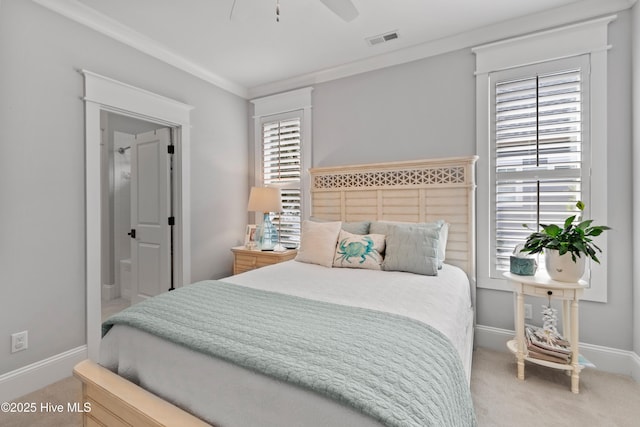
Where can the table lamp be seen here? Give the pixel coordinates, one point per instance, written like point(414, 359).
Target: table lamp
point(265, 200)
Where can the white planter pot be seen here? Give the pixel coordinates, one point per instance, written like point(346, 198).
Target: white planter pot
point(562, 268)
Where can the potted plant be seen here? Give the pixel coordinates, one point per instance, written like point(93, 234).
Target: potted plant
point(565, 246)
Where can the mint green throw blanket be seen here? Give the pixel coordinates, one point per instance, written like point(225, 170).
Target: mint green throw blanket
point(396, 370)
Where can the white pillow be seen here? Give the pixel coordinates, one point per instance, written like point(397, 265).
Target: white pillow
point(359, 251)
point(318, 242)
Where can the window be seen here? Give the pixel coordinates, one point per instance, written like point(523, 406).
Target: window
point(541, 139)
point(283, 155)
point(281, 168)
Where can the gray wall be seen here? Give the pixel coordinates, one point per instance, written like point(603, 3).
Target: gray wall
point(636, 181)
point(42, 229)
point(427, 109)
point(422, 109)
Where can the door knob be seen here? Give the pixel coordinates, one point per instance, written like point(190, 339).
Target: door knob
point(132, 233)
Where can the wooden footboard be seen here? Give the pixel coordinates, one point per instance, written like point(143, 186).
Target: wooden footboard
point(115, 401)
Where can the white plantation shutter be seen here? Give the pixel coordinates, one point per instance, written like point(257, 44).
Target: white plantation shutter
point(538, 163)
point(540, 142)
point(281, 167)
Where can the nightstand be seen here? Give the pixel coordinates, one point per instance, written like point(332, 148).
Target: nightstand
point(541, 285)
point(249, 259)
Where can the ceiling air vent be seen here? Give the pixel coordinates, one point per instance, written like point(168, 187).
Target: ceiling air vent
point(382, 38)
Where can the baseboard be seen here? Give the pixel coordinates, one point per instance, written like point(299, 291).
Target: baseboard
point(110, 292)
point(492, 338)
point(635, 367)
point(606, 359)
point(39, 374)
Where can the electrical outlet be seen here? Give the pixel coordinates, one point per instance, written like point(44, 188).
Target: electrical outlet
point(19, 341)
point(528, 311)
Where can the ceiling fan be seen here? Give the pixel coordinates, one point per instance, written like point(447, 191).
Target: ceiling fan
point(343, 8)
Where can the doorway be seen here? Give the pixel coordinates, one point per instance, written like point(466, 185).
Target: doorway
point(103, 94)
point(129, 276)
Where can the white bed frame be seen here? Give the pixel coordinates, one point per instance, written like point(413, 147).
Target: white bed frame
point(414, 191)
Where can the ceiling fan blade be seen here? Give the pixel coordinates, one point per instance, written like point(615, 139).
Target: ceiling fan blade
point(343, 8)
point(233, 6)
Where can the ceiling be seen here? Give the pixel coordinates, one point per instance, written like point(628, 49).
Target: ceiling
point(249, 50)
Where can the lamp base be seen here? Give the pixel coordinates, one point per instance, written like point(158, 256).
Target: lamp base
point(267, 234)
point(279, 248)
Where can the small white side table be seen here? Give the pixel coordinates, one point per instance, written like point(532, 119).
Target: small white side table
point(541, 285)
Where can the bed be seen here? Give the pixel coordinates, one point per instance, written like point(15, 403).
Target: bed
point(236, 393)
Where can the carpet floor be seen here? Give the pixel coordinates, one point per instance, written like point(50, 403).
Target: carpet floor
point(500, 399)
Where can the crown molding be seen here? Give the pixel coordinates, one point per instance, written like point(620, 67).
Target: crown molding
point(548, 19)
point(569, 14)
point(85, 15)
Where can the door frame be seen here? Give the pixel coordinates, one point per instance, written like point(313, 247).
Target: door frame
point(106, 94)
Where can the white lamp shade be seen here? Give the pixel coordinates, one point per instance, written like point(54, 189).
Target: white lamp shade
point(265, 199)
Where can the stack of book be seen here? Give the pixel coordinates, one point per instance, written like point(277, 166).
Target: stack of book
point(544, 346)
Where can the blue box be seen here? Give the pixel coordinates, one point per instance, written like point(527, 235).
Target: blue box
point(523, 266)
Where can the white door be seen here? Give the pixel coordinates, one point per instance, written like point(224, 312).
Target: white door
point(150, 211)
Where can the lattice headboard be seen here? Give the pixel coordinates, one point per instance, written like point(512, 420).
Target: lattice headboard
point(414, 191)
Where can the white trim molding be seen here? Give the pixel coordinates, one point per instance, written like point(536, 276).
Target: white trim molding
point(299, 99)
point(572, 40)
point(40, 374)
point(85, 15)
point(606, 359)
point(106, 94)
point(544, 20)
point(124, 97)
point(282, 102)
point(585, 38)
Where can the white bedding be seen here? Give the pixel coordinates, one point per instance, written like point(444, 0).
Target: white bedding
point(228, 395)
point(441, 301)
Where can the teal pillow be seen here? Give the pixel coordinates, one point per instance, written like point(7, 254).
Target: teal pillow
point(382, 227)
point(359, 227)
point(354, 227)
point(412, 248)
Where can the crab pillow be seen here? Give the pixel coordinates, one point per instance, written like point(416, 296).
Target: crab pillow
point(359, 251)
